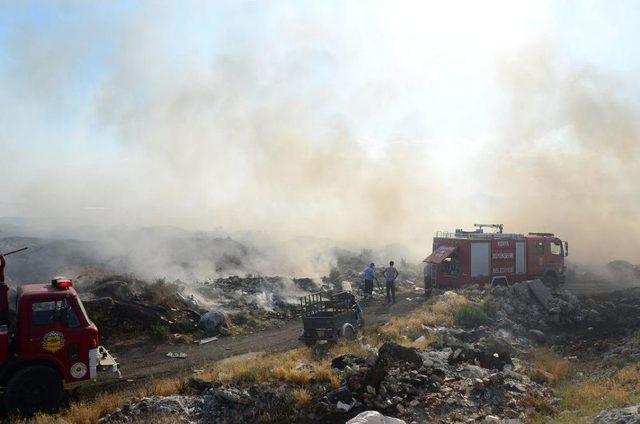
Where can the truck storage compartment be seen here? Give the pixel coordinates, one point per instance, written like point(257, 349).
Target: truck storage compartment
point(4, 344)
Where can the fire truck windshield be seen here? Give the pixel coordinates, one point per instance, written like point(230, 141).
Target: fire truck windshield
point(84, 311)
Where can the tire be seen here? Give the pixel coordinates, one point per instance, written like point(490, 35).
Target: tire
point(551, 279)
point(36, 388)
point(348, 333)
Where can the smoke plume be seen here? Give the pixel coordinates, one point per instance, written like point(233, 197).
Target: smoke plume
point(289, 126)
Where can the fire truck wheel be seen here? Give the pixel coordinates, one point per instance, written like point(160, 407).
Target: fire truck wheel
point(551, 279)
point(33, 389)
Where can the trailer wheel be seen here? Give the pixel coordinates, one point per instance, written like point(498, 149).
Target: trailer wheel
point(348, 333)
point(34, 389)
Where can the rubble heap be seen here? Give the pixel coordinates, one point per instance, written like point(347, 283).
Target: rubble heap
point(414, 385)
point(427, 386)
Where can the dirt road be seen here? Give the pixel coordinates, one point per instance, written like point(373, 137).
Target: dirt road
point(145, 362)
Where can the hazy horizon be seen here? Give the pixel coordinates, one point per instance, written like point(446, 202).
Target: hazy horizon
point(371, 124)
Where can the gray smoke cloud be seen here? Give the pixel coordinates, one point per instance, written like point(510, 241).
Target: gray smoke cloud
point(274, 133)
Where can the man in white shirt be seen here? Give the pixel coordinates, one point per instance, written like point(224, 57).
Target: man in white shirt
point(390, 275)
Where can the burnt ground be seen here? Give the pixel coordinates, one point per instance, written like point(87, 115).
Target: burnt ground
point(142, 361)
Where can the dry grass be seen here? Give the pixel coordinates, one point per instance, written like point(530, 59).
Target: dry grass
point(299, 367)
point(404, 330)
point(549, 367)
point(582, 401)
point(302, 397)
point(90, 412)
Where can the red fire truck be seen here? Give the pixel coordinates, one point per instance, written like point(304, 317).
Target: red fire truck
point(468, 257)
point(49, 341)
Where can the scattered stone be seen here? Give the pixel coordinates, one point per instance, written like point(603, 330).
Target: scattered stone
point(374, 417)
point(393, 353)
point(628, 415)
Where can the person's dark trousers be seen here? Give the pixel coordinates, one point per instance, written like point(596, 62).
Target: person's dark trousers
point(427, 286)
point(391, 292)
point(368, 287)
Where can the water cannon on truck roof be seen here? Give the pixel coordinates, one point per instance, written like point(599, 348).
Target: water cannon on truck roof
point(496, 258)
point(50, 342)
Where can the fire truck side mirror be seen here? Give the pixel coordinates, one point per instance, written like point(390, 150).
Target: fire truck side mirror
point(566, 248)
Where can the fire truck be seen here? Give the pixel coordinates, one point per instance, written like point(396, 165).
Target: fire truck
point(49, 342)
point(496, 258)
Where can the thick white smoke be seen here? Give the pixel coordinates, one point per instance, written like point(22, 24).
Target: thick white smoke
point(292, 123)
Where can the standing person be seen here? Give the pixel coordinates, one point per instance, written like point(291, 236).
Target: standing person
point(369, 276)
point(428, 283)
point(390, 275)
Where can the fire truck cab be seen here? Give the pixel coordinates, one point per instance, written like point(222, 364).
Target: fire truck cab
point(50, 342)
point(476, 257)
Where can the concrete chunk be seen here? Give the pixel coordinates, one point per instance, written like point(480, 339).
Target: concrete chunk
point(542, 293)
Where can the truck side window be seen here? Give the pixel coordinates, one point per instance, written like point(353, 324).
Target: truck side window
point(539, 248)
point(72, 320)
point(43, 313)
point(556, 248)
point(451, 265)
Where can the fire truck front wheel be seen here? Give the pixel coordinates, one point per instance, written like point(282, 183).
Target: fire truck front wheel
point(33, 389)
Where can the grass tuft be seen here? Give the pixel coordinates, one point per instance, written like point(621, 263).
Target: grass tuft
point(470, 316)
point(549, 367)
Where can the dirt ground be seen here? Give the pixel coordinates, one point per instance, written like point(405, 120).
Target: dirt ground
point(142, 362)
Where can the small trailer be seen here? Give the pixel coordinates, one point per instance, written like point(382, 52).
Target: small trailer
point(330, 317)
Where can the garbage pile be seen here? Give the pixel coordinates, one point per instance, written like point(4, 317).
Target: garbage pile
point(124, 305)
point(531, 308)
point(428, 386)
point(257, 302)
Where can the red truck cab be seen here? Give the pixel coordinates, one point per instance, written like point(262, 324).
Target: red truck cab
point(51, 342)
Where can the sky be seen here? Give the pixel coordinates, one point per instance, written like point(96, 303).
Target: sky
point(372, 122)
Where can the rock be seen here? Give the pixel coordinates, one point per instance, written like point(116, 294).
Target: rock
point(542, 293)
point(179, 407)
point(343, 394)
point(372, 358)
point(232, 395)
point(628, 415)
point(374, 417)
point(394, 353)
point(212, 321)
point(342, 361)
point(491, 419)
point(537, 334)
point(344, 406)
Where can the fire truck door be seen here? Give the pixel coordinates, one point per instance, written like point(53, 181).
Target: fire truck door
point(45, 332)
point(521, 258)
point(56, 330)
